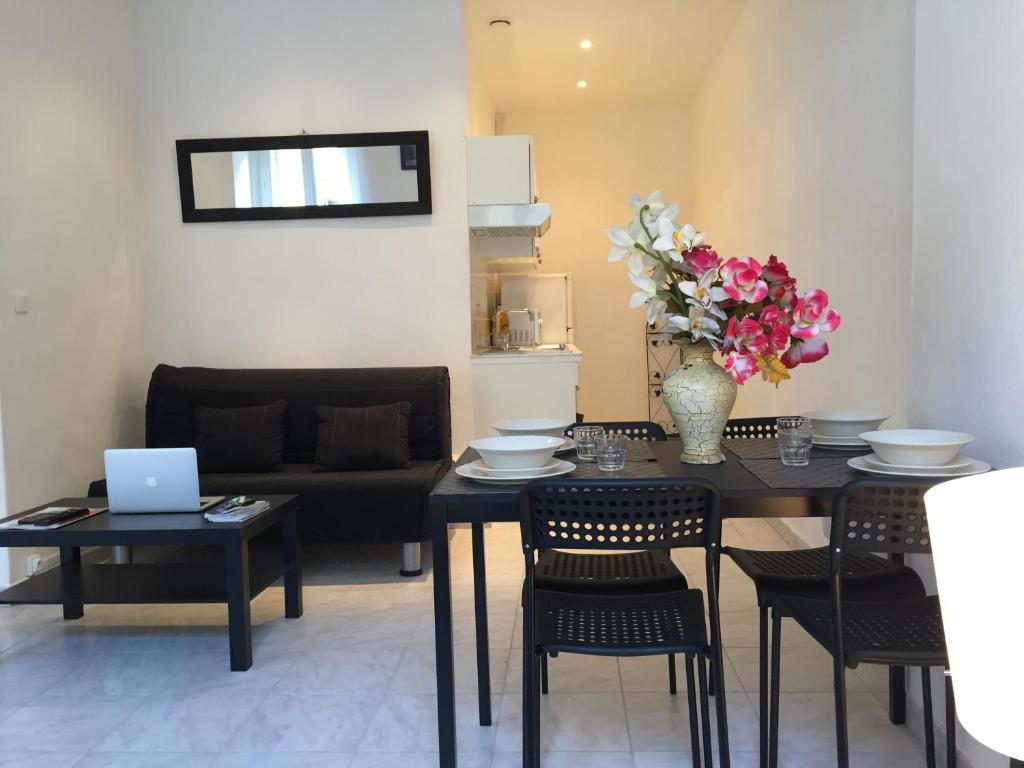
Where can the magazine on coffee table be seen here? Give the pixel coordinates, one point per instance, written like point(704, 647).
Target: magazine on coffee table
point(51, 518)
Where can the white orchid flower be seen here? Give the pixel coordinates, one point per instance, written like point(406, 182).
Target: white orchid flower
point(656, 210)
point(677, 323)
point(687, 238)
point(652, 201)
point(704, 327)
point(641, 263)
point(666, 239)
point(648, 294)
point(701, 293)
point(623, 244)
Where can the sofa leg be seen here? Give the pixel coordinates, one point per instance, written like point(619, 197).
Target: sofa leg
point(411, 565)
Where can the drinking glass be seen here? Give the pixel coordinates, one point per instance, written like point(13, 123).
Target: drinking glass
point(794, 441)
point(611, 452)
point(586, 441)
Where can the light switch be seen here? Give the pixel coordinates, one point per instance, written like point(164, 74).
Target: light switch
point(21, 302)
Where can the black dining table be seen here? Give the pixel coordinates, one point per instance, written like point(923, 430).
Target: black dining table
point(753, 484)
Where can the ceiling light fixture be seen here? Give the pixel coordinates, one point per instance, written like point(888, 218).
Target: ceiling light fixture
point(581, 83)
point(585, 44)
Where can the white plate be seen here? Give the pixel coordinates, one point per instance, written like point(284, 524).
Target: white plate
point(568, 445)
point(550, 427)
point(838, 442)
point(843, 423)
point(974, 468)
point(958, 463)
point(560, 468)
point(481, 467)
point(933, 447)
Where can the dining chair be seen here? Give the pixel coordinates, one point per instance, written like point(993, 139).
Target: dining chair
point(622, 514)
point(621, 573)
point(870, 516)
point(804, 573)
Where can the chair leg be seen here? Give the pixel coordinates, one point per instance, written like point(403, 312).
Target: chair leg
point(535, 731)
point(774, 689)
point(929, 721)
point(529, 682)
point(691, 704)
point(842, 736)
point(950, 723)
point(544, 674)
point(672, 674)
point(705, 714)
point(762, 687)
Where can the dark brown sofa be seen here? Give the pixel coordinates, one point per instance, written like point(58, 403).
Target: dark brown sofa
point(381, 505)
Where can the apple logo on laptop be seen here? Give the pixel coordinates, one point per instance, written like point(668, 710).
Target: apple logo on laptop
point(151, 481)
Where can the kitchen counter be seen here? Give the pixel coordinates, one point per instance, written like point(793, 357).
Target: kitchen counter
point(543, 354)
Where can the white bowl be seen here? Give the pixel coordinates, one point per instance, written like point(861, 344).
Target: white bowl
point(917, 447)
point(514, 427)
point(843, 423)
point(521, 452)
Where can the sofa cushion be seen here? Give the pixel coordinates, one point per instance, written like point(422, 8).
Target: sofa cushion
point(249, 439)
point(375, 437)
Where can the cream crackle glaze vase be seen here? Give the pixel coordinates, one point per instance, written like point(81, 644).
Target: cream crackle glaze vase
point(699, 394)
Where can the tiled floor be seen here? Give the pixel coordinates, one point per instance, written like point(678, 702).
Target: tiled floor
point(351, 684)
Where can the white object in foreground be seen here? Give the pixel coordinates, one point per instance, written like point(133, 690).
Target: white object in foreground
point(920, 447)
point(550, 427)
point(977, 526)
point(525, 452)
point(843, 423)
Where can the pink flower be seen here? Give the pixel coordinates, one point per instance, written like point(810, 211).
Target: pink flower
point(811, 316)
point(778, 324)
point(746, 335)
point(741, 366)
point(781, 287)
point(741, 279)
point(701, 259)
point(804, 351)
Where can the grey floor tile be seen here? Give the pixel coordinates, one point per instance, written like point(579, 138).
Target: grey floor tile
point(334, 671)
point(306, 723)
point(283, 760)
point(39, 759)
point(64, 726)
point(570, 722)
point(567, 760)
point(149, 760)
point(408, 723)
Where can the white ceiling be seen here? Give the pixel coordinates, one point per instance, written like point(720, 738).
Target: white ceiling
point(644, 51)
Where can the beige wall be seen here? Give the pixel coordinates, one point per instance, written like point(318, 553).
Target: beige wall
point(803, 138)
point(71, 371)
point(331, 292)
point(969, 238)
point(587, 165)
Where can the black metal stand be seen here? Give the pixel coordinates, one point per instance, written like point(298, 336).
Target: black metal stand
point(483, 663)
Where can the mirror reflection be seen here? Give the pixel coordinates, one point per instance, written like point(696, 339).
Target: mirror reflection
point(319, 176)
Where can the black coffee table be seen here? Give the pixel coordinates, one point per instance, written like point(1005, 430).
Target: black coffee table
point(246, 569)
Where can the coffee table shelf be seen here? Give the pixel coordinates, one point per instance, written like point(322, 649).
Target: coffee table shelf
point(138, 584)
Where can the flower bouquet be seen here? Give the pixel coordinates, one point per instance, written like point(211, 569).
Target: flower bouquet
point(751, 313)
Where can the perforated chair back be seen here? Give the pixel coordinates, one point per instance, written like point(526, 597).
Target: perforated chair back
point(633, 430)
point(751, 429)
point(877, 515)
point(619, 514)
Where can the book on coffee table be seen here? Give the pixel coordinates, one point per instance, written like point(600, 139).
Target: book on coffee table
point(45, 521)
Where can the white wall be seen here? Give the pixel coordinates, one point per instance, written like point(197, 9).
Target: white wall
point(355, 292)
point(70, 235)
point(587, 164)
point(968, 247)
point(802, 144)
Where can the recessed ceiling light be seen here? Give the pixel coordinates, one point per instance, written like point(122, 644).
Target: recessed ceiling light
point(581, 83)
point(585, 44)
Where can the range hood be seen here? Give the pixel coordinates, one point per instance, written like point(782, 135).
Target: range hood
point(501, 188)
point(522, 220)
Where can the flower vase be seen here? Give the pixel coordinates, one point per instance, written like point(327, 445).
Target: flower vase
point(699, 394)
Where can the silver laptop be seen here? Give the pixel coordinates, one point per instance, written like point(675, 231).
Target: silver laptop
point(154, 480)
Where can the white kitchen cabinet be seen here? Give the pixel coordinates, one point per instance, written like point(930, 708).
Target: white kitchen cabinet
point(520, 385)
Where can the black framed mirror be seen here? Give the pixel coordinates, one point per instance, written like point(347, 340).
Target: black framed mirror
point(306, 176)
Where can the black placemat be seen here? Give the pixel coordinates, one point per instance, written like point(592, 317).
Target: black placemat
point(820, 473)
point(768, 448)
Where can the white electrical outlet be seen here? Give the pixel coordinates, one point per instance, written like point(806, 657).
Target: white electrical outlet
point(32, 563)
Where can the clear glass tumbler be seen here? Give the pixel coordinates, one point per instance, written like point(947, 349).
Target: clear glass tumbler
point(794, 441)
point(611, 452)
point(586, 441)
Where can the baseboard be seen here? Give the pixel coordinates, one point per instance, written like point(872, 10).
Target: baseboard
point(915, 708)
